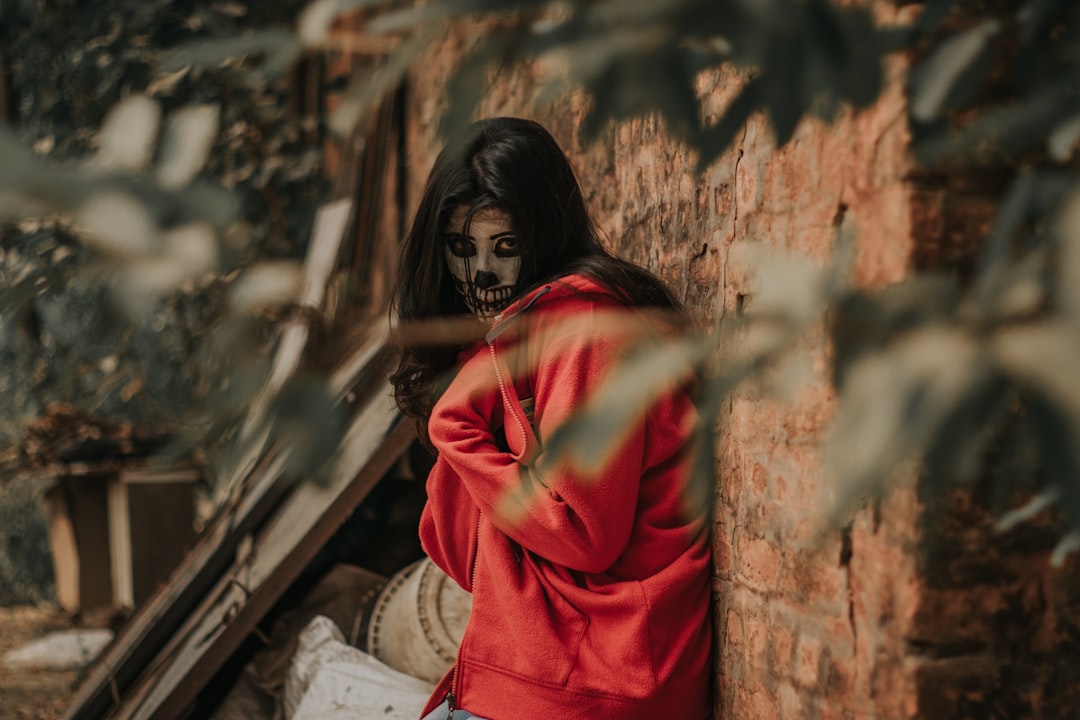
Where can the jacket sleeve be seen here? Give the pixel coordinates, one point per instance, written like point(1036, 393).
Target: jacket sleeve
point(449, 524)
point(545, 504)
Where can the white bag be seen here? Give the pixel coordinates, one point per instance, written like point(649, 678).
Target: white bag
point(330, 680)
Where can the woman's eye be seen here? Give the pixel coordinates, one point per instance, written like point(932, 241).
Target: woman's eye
point(460, 245)
point(507, 247)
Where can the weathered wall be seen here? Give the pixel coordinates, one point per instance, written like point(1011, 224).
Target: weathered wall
point(810, 622)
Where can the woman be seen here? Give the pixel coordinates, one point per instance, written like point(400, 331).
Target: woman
point(590, 588)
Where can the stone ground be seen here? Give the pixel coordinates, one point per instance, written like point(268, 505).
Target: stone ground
point(35, 694)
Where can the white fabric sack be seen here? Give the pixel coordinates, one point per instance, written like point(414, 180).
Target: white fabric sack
point(330, 680)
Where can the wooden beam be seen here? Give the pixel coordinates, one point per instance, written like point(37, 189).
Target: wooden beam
point(331, 222)
point(152, 625)
point(7, 113)
point(65, 551)
point(120, 544)
point(283, 548)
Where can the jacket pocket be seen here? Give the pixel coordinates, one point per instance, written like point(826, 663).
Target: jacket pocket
point(525, 626)
point(616, 655)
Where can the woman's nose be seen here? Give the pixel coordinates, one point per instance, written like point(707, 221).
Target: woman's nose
point(485, 279)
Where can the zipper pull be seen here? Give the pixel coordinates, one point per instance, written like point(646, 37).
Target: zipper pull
point(450, 705)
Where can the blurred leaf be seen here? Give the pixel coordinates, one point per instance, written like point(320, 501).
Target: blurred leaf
point(366, 91)
point(415, 17)
point(1042, 356)
point(892, 405)
point(1009, 129)
point(470, 82)
point(841, 63)
point(185, 252)
point(165, 83)
point(15, 206)
point(269, 42)
point(1056, 432)
point(193, 247)
point(1062, 140)
point(1013, 212)
point(310, 424)
point(641, 12)
point(585, 60)
point(1028, 510)
point(18, 166)
point(588, 438)
point(1068, 544)
point(264, 285)
point(314, 22)
point(702, 489)
point(129, 132)
point(783, 89)
point(837, 277)
point(185, 148)
point(1017, 289)
point(933, 12)
point(956, 453)
point(783, 284)
point(208, 201)
point(713, 141)
point(119, 225)
point(1068, 286)
point(1036, 14)
point(140, 283)
point(825, 30)
point(857, 75)
point(934, 78)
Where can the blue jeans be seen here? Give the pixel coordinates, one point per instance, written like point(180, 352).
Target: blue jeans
point(440, 713)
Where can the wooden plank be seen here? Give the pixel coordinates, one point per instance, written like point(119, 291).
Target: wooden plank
point(65, 552)
point(90, 518)
point(289, 541)
point(7, 113)
point(150, 628)
point(139, 640)
point(134, 476)
point(161, 520)
point(120, 544)
point(331, 221)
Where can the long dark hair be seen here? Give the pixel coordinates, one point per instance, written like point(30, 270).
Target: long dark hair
point(515, 165)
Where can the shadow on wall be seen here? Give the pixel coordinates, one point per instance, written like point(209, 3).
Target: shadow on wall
point(26, 572)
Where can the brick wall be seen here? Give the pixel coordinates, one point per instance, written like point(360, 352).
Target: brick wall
point(811, 621)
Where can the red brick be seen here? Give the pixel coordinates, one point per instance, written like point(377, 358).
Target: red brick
point(722, 555)
point(758, 637)
point(791, 702)
point(756, 703)
point(783, 647)
point(734, 627)
point(758, 561)
point(807, 660)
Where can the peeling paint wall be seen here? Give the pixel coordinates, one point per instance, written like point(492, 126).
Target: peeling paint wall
point(811, 621)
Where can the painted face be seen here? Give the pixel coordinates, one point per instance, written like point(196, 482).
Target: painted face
point(485, 263)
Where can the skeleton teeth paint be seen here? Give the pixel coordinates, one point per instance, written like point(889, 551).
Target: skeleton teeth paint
point(484, 259)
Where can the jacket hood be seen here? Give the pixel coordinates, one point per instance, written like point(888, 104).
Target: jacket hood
point(551, 291)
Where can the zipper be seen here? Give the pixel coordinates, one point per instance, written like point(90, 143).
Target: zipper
point(451, 697)
point(490, 338)
point(502, 324)
point(506, 397)
point(500, 327)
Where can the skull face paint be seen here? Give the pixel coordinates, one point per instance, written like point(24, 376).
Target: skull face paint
point(484, 259)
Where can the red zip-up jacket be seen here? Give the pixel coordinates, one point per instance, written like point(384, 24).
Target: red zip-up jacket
point(591, 588)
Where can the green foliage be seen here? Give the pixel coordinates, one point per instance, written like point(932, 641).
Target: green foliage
point(927, 370)
point(636, 58)
point(133, 200)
